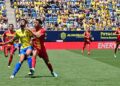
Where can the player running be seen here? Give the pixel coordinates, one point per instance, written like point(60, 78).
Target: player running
point(8, 35)
point(117, 32)
point(39, 47)
point(26, 49)
point(87, 41)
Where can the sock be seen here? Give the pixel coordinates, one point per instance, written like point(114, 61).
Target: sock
point(33, 62)
point(16, 69)
point(29, 60)
point(10, 60)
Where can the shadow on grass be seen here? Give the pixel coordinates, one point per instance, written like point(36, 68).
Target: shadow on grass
point(37, 76)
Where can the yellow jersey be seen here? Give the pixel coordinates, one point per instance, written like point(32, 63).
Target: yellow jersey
point(24, 36)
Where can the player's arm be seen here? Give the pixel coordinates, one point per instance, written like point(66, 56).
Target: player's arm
point(37, 34)
point(3, 37)
point(116, 32)
point(85, 35)
point(11, 40)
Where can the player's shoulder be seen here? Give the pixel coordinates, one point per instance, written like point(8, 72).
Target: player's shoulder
point(17, 30)
point(43, 29)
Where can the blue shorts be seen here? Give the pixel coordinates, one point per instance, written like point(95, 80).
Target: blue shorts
point(23, 51)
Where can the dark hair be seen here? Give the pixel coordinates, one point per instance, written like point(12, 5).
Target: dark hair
point(39, 20)
point(11, 24)
point(25, 21)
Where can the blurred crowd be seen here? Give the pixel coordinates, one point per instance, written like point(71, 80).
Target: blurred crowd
point(69, 15)
point(3, 17)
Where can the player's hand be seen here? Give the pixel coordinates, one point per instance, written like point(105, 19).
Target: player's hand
point(2, 43)
point(28, 29)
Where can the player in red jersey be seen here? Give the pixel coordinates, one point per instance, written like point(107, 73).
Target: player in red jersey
point(117, 32)
point(39, 47)
point(87, 41)
point(8, 35)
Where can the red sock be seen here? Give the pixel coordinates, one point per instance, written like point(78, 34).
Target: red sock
point(10, 60)
point(33, 62)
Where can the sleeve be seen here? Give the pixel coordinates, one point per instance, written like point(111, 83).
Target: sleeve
point(84, 34)
point(4, 34)
point(42, 32)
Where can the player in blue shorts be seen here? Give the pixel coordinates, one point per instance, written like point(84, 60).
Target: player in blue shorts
point(26, 49)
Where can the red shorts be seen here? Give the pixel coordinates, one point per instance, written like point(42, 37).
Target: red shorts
point(9, 49)
point(42, 52)
point(87, 42)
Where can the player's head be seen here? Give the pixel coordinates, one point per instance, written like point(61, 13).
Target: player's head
point(11, 27)
point(37, 23)
point(23, 23)
point(88, 29)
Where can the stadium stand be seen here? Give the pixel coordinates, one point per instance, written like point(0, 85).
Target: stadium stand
point(70, 15)
point(3, 16)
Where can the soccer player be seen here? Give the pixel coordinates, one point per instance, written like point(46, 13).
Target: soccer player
point(39, 47)
point(26, 49)
point(8, 35)
point(117, 32)
point(87, 41)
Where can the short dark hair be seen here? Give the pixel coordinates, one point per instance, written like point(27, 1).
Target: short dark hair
point(25, 21)
point(39, 20)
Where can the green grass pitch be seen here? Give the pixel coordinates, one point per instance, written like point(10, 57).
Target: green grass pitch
point(74, 69)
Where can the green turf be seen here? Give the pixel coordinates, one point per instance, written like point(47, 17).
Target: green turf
point(74, 69)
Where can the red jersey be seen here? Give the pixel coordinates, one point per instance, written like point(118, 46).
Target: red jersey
point(8, 35)
point(39, 42)
point(87, 36)
point(118, 32)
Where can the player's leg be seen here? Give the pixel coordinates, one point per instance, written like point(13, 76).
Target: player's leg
point(6, 51)
point(18, 64)
point(84, 45)
point(19, 48)
point(33, 62)
point(44, 55)
point(12, 50)
point(116, 47)
point(88, 48)
point(29, 59)
point(34, 58)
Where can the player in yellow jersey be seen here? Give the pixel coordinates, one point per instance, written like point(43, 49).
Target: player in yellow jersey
point(26, 49)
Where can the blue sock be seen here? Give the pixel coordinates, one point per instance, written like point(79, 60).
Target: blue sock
point(29, 60)
point(16, 69)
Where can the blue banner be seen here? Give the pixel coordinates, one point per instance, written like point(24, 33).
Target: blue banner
point(72, 36)
point(69, 36)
